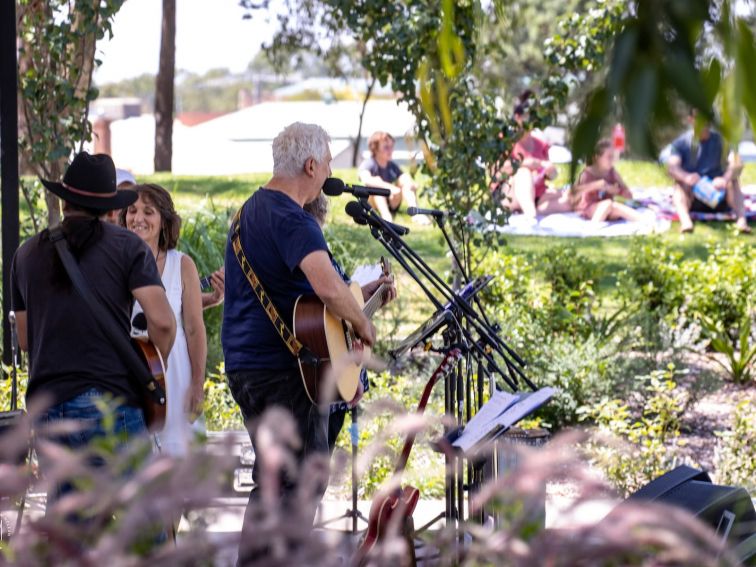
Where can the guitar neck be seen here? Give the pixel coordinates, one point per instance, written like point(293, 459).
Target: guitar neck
point(442, 370)
point(375, 301)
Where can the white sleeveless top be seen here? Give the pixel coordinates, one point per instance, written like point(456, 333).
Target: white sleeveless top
point(178, 432)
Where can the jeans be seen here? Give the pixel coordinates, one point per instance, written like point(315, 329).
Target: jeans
point(255, 392)
point(128, 424)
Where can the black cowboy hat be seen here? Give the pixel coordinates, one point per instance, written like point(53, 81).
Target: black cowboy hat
point(90, 182)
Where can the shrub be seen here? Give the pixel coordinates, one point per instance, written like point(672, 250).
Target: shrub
point(221, 411)
point(735, 454)
point(203, 237)
point(652, 277)
point(649, 433)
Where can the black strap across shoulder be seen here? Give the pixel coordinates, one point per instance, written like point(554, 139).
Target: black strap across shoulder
point(105, 319)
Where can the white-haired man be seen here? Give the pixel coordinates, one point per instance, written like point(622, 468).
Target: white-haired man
point(287, 251)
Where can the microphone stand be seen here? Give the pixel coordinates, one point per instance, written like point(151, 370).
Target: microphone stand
point(385, 234)
point(454, 334)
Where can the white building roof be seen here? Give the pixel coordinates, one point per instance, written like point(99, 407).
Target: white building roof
point(240, 142)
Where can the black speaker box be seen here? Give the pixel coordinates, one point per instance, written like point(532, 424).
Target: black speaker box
point(727, 509)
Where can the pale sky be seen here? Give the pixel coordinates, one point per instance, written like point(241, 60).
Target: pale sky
point(209, 34)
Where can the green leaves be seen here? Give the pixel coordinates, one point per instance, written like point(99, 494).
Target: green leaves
point(663, 52)
point(56, 60)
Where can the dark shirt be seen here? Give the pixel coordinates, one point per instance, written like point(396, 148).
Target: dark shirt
point(68, 354)
point(389, 174)
point(704, 157)
point(276, 235)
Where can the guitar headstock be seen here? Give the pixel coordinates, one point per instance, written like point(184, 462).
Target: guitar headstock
point(447, 365)
point(385, 267)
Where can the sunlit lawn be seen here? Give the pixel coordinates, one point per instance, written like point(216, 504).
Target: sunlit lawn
point(195, 192)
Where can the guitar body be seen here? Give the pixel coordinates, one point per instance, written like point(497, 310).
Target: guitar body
point(387, 511)
point(331, 339)
point(154, 413)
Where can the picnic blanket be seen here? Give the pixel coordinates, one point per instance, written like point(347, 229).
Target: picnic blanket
point(659, 200)
point(657, 208)
point(572, 225)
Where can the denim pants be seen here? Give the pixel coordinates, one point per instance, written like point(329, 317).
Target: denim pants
point(255, 392)
point(128, 424)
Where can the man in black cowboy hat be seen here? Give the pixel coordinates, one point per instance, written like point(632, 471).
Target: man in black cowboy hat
point(70, 360)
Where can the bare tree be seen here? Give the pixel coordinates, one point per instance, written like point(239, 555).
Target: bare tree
point(164, 89)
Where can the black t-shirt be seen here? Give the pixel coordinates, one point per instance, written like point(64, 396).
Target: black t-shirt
point(68, 354)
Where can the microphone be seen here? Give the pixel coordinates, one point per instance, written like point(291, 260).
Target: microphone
point(360, 216)
point(412, 211)
point(334, 187)
point(354, 210)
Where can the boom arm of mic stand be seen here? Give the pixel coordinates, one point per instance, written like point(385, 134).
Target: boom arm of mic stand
point(394, 244)
point(465, 275)
point(379, 228)
point(441, 286)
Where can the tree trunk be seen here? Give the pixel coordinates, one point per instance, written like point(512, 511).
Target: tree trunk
point(356, 149)
point(164, 89)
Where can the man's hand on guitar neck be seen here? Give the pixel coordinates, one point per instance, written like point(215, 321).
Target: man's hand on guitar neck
point(370, 288)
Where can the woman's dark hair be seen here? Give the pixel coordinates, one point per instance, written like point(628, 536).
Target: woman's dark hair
point(601, 147)
point(170, 221)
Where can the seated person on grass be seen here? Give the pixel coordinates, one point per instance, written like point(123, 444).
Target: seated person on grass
point(597, 187)
point(696, 165)
point(527, 191)
point(381, 171)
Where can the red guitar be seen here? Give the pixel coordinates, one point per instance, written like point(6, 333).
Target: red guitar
point(391, 509)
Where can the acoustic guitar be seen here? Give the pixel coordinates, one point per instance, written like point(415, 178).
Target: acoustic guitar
point(154, 410)
point(392, 508)
point(331, 338)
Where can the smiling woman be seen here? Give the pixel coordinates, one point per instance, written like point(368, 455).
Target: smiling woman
point(154, 219)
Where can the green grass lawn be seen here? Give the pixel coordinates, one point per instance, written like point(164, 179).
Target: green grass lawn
point(193, 193)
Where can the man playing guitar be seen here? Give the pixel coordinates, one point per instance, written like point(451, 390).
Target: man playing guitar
point(285, 248)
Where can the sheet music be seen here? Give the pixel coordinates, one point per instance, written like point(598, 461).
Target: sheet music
point(526, 405)
point(366, 273)
point(494, 407)
point(481, 423)
point(520, 406)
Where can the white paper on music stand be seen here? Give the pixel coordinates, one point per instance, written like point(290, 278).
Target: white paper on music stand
point(492, 409)
point(523, 405)
point(366, 273)
point(480, 424)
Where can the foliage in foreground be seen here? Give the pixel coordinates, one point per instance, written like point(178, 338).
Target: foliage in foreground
point(122, 514)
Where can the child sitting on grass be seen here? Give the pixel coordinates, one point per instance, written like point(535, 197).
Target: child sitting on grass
point(598, 185)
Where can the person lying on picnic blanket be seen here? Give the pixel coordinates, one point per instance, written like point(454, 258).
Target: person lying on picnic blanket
point(597, 187)
point(701, 182)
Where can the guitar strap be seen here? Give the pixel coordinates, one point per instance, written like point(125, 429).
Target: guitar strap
point(295, 347)
point(104, 319)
